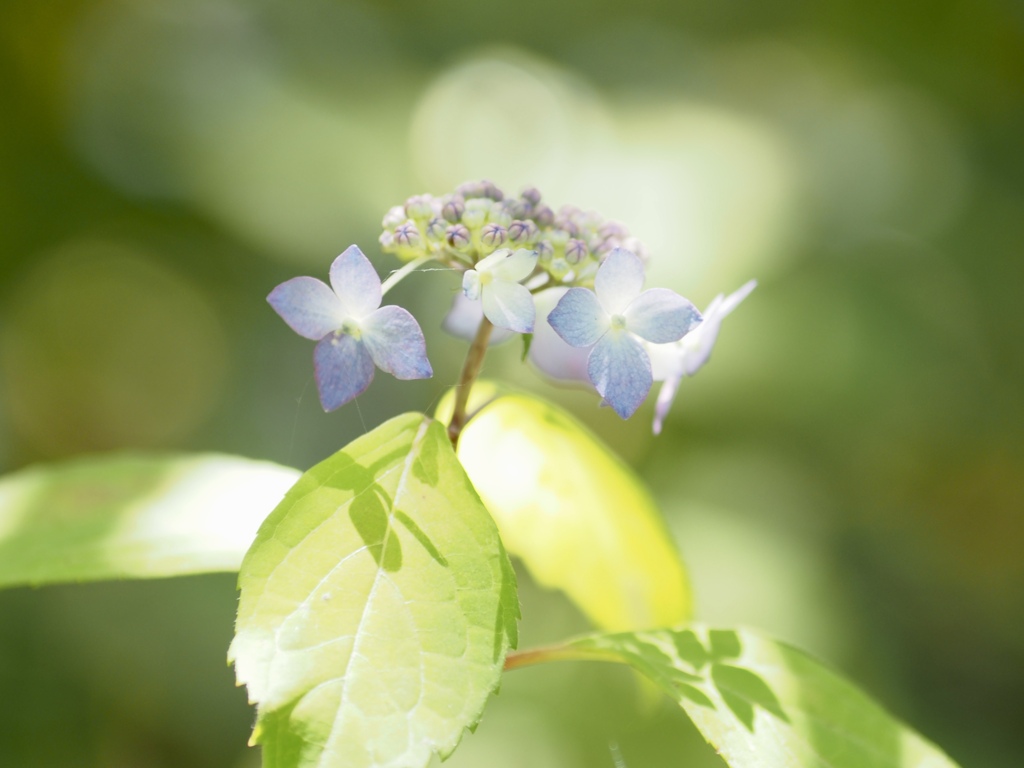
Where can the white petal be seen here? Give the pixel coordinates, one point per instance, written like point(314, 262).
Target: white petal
point(621, 371)
point(733, 299)
point(356, 282)
point(698, 345)
point(464, 318)
point(395, 342)
point(666, 395)
point(619, 280)
point(309, 307)
point(660, 316)
point(666, 359)
point(471, 285)
point(343, 369)
point(508, 305)
point(516, 267)
point(579, 318)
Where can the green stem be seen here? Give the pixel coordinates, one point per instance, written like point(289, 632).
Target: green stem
point(531, 656)
point(398, 274)
point(470, 371)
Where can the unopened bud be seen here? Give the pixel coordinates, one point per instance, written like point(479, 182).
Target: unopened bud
point(387, 241)
point(559, 268)
point(457, 236)
point(407, 235)
point(575, 251)
point(419, 206)
point(453, 209)
point(544, 216)
point(521, 231)
point(492, 191)
point(476, 213)
point(613, 229)
point(394, 217)
point(493, 235)
point(531, 195)
point(544, 251)
point(436, 228)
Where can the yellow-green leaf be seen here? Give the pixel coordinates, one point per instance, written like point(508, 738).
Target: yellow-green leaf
point(377, 607)
point(576, 514)
point(133, 516)
point(764, 704)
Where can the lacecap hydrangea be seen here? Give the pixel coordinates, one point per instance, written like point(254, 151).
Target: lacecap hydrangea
point(571, 281)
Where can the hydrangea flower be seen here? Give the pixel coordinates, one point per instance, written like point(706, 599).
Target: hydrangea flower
point(548, 352)
point(495, 282)
point(354, 332)
point(687, 356)
point(614, 317)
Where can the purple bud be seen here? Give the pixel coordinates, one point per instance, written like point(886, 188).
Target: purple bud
point(387, 240)
point(457, 236)
point(575, 251)
point(453, 209)
point(544, 216)
point(531, 195)
point(613, 229)
point(471, 190)
point(492, 191)
point(521, 231)
point(493, 235)
point(567, 225)
point(544, 251)
point(407, 235)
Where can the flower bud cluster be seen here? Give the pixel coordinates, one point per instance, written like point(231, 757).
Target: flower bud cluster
point(477, 219)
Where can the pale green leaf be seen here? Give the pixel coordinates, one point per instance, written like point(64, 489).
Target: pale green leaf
point(764, 704)
point(576, 514)
point(133, 516)
point(377, 606)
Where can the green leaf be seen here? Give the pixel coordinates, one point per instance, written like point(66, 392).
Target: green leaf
point(764, 704)
point(128, 516)
point(576, 514)
point(377, 606)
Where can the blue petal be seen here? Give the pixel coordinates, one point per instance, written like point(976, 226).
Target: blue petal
point(619, 280)
point(395, 342)
point(578, 318)
point(356, 282)
point(660, 316)
point(308, 306)
point(508, 305)
point(621, 371)
point(344, 369)
point(548, 351)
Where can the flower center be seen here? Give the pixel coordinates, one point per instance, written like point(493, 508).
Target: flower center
point(485, 277)
point(618, 322)
point(351, 328)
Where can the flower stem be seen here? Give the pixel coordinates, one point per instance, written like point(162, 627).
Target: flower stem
point(531, 656)
point(470, 371)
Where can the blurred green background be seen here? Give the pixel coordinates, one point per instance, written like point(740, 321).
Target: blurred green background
point(847, 474)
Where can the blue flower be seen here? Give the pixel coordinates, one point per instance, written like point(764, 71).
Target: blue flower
point(495, 282)
point(355, 333)
point(614, 317)
point(688, 355)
